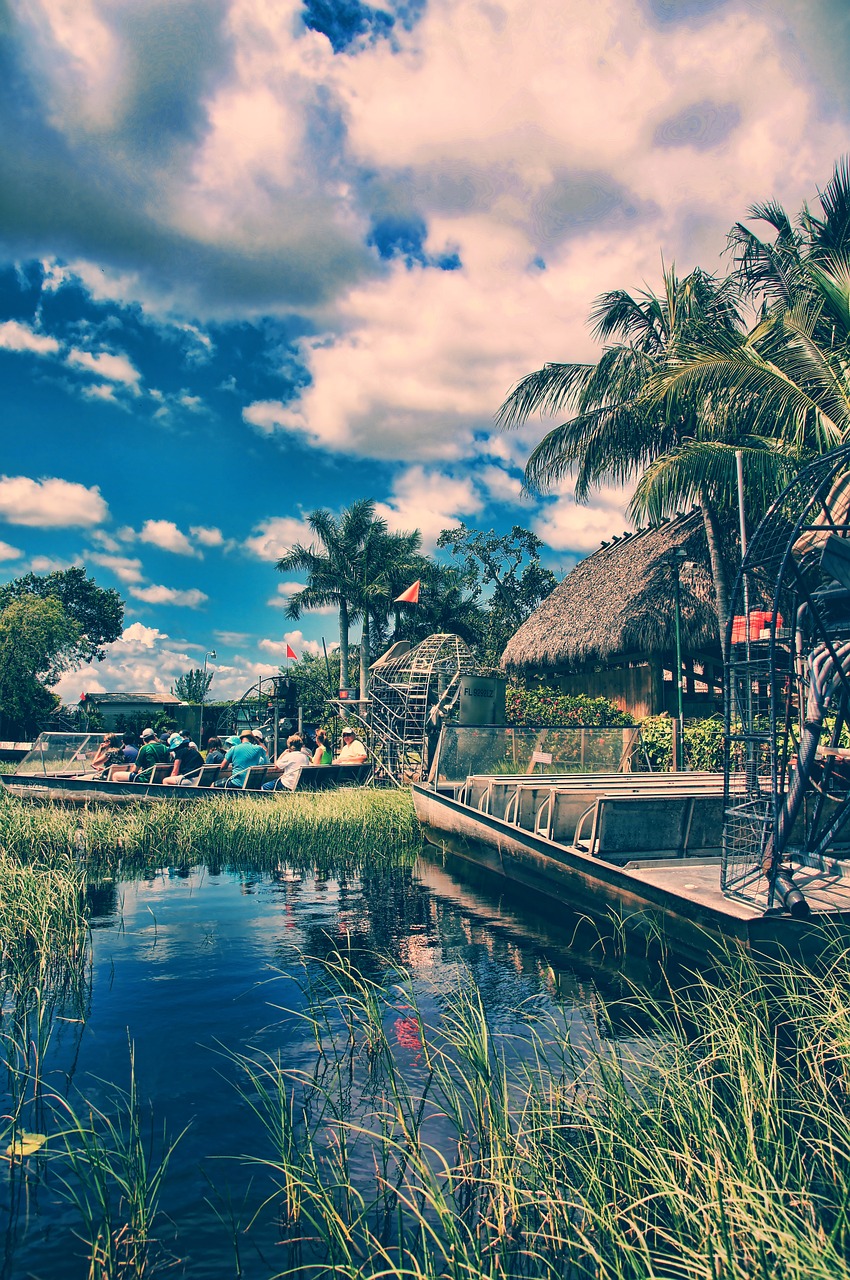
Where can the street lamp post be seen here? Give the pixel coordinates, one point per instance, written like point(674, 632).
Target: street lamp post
point(212, 655)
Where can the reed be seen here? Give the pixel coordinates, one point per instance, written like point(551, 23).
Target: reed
point(332, 831)
point(719, 1147)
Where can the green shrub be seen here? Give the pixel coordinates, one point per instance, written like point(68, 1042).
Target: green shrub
point(549, 707)
point(703, 742)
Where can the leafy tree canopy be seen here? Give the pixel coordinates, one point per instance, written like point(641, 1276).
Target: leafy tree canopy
point(510, 565)
point(33, 633)
point(97, 614)
point(193, 686)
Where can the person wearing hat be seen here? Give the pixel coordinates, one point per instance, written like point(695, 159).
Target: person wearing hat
point(187, 760)
point(260, 737)
point(242, 758)
point(151, 752)
point(352, 750)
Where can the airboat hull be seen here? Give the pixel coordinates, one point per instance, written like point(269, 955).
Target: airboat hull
point(675, 903)
point(92, 791)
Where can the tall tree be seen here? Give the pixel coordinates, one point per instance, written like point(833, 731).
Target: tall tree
point(33, 635)
point(193, 686)
point(630, 422)
point(503, 570)
point(330, 565)
point(98, 612)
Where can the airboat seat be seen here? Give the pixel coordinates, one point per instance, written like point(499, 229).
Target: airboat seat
point(158, 773)
point(209, 774)
point(623, 828)
point(255, 776)
point(320, 777)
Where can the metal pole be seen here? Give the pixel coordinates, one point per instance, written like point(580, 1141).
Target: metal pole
point(742, 518)
point(678, 613)
point(211, 654)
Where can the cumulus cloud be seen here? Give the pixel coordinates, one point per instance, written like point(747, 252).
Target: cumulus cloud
point(207, 537)
point(105, 364)
point(274, 537)
point(165, 535)
point(138, 634)
point(191, 598)
point(15, 336)
point(50, 503)
point(8, 552)
point(563, 525)
point(297, 642)
point(125, 569)
point(430, 501)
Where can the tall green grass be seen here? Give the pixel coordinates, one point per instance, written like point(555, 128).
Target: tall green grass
point(334, 830)
point(719, 1149)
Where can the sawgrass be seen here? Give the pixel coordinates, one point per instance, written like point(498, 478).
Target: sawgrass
point(717, 1150)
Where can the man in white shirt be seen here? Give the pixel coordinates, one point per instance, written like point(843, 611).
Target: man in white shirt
point(352, 750)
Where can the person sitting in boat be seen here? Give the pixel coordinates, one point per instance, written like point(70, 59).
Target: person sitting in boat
point(151, 752)
point(215, 750)
point(243, 757)
point(109, 753)
point(322, 754)
point(260, 739)
point(352, 750)
point(131, 747)
point(187, 762)
point(290, 762)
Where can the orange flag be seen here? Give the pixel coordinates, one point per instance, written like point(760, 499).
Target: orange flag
point(411, 595)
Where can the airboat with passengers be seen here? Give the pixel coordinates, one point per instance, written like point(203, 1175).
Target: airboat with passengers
point(755, 854)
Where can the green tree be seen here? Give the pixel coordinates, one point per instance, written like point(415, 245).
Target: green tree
point(193, 686)
point(629, 421)
point(98, 613)
point(505, 571)
point(789, 373)
point(330, 565)
point(33, 635)
point(446, 605)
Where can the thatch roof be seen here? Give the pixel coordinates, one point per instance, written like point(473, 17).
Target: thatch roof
point(620, 601)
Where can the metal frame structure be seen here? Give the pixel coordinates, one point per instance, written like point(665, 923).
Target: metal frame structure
point(410, 697)
point(787, 783)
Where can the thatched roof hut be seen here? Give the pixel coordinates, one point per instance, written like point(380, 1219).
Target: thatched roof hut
point(615, 609)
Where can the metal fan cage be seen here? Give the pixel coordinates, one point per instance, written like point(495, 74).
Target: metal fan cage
point(788, 620)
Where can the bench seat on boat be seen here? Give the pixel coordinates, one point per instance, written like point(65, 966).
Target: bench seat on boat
point(623, 828)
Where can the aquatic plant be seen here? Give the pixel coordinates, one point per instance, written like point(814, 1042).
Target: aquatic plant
point(717, 1150)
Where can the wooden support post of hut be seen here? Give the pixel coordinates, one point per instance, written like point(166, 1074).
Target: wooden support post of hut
point(608, 630)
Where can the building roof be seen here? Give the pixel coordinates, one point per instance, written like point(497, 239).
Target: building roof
point(619, 600)
point(139, 699)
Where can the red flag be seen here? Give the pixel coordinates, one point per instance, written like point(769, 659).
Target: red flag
point(411, 595)
point(290, 652)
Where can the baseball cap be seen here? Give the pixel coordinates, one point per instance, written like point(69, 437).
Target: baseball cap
point(148, 733)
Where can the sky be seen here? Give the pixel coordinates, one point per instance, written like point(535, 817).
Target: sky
point(263, 256)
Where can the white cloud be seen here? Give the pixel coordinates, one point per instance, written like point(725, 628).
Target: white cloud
point(145, 637)
point(191, 598)
point(297, 642)
point(207, 537)
point(430, 501)
point(274, 537)
point(124, 568)
point(15, 336)
point(8, 552)
point(500, 485)
point(50, 503)
point(233, 639)
point(50, 564)
point(563, 525)
point(105, 364)
point(165, 535)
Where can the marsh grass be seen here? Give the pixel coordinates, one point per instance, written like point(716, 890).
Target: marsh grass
point(330, 831)
point(718, 1148)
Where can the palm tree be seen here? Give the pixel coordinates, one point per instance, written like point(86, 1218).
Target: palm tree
point(626, 423)
point(386, 564)
point(789, 375)
point(332, 568)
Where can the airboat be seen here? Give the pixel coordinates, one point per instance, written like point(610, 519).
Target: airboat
point(755, 855)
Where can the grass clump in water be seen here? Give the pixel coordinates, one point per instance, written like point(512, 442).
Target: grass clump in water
point(718, 1149)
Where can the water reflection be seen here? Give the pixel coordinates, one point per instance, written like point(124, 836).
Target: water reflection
point(194, 965)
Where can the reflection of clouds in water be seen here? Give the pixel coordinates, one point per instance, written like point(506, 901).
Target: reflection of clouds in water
point(702, 125)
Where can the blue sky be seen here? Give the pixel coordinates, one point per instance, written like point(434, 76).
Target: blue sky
point(258, 257)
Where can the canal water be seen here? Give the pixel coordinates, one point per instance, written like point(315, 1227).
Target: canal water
point(191, 969)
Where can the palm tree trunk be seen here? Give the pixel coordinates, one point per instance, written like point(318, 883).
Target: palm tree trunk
point(365, 656)
point(718, 566)
point(343, 643)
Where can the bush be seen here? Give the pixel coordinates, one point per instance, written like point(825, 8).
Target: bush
point(549, 707)
point(703, 742)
